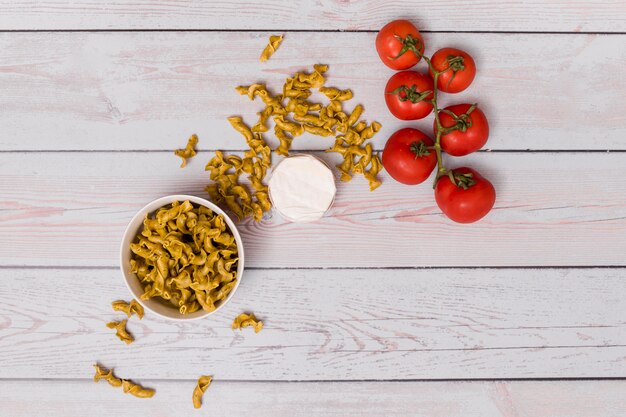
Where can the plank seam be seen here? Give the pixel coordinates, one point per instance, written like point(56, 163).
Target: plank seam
point(356, 268)
point(256, 30)
point(299, 150)
point(300, 381)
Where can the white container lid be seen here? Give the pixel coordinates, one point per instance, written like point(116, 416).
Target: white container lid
point(302, 188)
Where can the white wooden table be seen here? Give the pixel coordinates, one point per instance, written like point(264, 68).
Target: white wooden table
point(382, 308)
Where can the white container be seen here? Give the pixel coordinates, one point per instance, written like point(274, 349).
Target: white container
point(302, 188)
point(156, 305)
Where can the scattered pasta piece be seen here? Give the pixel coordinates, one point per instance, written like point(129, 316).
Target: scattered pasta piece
point(247, 320)
point(121, 333)
point(371, 174)
point(186, 255)
point(107, 375)
point(128, 308)
point(203, 383)
point(336, 94)
point(189, 151)
point(272, 46)
point(137, 390)
point(285, 141)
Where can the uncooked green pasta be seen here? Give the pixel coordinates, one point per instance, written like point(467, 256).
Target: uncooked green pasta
point(203, 383)
point(247, 320)
point(106, 375)
point(137, 390)
point(187, 256)
point(121, 332)
point(272, 46)
point(129, 308)
point(226, 170)
point(189, 151)
point(301, 115)
point(128, 387)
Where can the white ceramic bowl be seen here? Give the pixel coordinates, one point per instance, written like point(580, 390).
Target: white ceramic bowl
point(156, 305)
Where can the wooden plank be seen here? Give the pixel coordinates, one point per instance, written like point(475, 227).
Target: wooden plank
point(366, 399)
point(114, 91)
point(70, 209)
point(329, 325)
point(450, 15)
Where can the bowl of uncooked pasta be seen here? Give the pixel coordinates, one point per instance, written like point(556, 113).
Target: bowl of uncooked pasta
point(182, 257)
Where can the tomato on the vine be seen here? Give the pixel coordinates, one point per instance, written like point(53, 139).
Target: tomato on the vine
point(397, 43)
point(408, 95)
point(406, 156)
point(461, 73)
point(468, 199)
point(471, 129)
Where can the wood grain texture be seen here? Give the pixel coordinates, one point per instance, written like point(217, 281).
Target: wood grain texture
point(455, 15)
point(328, 325)
point(365, 399)
point(563, 209)
point(116, 91)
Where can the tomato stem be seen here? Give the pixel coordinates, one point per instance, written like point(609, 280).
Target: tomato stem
point(441, 169)
point(440, 130)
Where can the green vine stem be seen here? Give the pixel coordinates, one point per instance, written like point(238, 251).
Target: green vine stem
point(441, 169)
point(455, 63)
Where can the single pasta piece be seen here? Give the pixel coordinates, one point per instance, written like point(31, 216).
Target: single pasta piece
point(189, 151)
point(128, 308)
point(354, 116)
point(120, 327)
point(137, 390)
point(203, 383)
point(374, 170)
point(240, 126)
point(107, 375)
point(336, 94)
point(272, 46)
point(285, 141)
point(247, 320)
point(252, 91)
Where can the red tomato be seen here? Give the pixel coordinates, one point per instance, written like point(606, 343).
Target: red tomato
point(460, 76)
point(469, 204)
point(472, 132)
point(397, 43)
point(406, 157)
point(407, 94)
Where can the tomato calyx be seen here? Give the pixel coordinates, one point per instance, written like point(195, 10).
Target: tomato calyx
point(463, 181)
point(409, 44)
point(420, 149)
point(411, 94)
point(462, 122)
point(455, 63)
